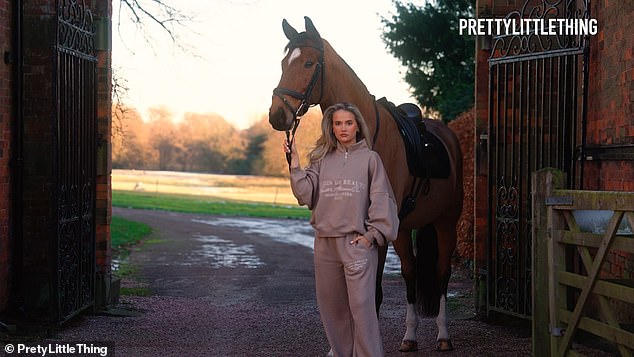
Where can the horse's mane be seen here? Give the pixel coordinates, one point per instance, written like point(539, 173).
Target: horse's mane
point(354, 74)
point(304, 39)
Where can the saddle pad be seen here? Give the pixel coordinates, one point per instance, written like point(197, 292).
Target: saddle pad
point(434, 157)
point(426, 155)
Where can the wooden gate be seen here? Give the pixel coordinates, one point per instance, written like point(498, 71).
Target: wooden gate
point(75, 159)
point(571, 220)
point(537, 110)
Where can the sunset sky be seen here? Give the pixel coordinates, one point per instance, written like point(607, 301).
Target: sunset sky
point(237, 48)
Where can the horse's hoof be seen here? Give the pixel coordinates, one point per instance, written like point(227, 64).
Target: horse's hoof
point(408, 346)
point(444, 345)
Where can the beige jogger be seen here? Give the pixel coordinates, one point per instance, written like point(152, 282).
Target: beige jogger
point(345, 277)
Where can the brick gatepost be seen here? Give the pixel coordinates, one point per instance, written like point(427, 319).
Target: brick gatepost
point(6, 118)
point(103, 212)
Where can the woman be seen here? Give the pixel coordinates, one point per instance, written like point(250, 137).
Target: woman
point(353, 210)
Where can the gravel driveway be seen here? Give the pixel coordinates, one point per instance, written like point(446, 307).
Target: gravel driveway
point(229, 290)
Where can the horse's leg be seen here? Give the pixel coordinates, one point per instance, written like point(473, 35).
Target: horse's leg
point(379, 278)
point(447, 237)
point(443, 341)
point(404, 249)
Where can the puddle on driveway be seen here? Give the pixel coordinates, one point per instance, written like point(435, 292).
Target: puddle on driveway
point(286, 231)
point(222, 253)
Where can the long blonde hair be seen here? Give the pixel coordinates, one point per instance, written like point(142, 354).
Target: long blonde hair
point(327, 142)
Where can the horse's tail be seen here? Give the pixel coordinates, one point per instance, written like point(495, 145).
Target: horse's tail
point(427, 282)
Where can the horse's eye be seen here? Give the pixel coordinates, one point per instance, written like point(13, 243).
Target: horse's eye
point(308, 64)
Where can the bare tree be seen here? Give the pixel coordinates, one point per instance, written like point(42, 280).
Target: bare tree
point(153, 19)
point(119, 109)
point(151, 15)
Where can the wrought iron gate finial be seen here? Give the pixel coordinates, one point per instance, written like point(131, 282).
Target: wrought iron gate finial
point(76, 27)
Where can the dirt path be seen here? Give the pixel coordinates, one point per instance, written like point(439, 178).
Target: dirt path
point(256, 300)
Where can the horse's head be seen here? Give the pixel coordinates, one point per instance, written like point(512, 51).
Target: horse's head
point(302, 76)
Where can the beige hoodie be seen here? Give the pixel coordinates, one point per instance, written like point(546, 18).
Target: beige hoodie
point(348, 191)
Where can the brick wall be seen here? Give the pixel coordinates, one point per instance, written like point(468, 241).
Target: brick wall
point(611, 88)
point(611, 114)
point(611, 108)
point(5, 148)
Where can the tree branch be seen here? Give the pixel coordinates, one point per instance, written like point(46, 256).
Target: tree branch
point(148, 14)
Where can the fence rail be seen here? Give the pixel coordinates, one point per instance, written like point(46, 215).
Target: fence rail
point(582, 298)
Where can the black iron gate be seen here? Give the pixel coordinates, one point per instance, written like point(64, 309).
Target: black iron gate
point(537, 110)
point(76, 120)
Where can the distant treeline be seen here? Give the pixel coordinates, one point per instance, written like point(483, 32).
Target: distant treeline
point(204, 143)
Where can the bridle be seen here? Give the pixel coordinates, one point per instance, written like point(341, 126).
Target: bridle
point(304, 98)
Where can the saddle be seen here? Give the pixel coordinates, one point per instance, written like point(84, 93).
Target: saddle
point(427, 157)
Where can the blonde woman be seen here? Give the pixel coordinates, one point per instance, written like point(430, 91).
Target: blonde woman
point(353, 210)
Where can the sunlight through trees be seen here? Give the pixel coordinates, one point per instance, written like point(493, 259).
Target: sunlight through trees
point(206, 143)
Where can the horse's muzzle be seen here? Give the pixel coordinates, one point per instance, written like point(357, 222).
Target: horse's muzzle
point(280, 119)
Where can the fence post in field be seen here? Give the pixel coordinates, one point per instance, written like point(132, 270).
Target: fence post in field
point(543, 183)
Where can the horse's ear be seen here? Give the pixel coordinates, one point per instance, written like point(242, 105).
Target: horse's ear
point(310, 28)
point(289, 31)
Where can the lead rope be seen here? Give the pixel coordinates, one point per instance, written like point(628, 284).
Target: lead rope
point(290, 138)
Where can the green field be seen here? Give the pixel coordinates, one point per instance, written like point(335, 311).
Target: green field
point(245, 188)
point(214, 194)
point(205, 205)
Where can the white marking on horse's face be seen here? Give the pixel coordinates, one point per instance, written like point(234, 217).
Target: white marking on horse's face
point(296, 53)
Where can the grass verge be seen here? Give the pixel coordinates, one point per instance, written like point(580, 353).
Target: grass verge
point(127, 233)
point(124, 235)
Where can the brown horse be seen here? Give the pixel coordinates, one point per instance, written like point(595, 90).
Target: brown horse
point(313, 73)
